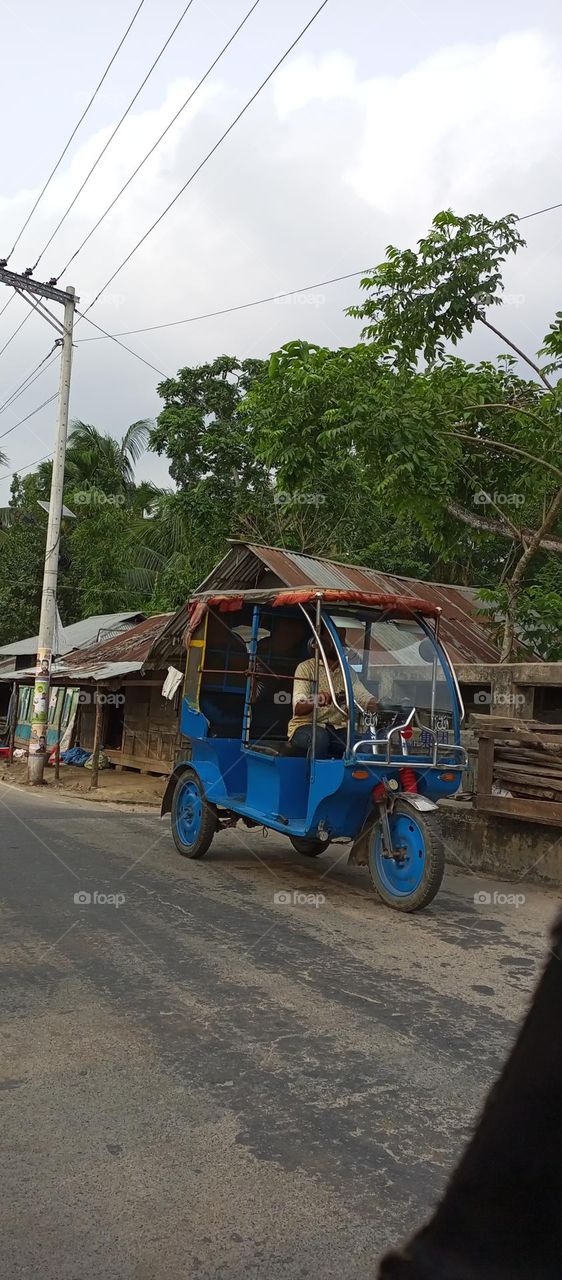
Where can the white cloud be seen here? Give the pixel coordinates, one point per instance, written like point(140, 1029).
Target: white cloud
point(321, 173)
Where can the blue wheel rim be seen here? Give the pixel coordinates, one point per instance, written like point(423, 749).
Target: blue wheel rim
point(189, 813)
point(400, 879)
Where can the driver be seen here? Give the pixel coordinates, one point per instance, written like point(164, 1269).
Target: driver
point(330, 718)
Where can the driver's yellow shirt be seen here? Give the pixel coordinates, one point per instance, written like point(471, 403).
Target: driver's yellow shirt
point(303, 688)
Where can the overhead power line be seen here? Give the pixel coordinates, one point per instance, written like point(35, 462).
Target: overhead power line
point(26, 317)
point(9, 475)
point(210, 153)
point(225, 133)
point(29, 415)
point(242, 306)
point(272, 297)
point(17, 393)
point(27, 382)
point(6, 304)
point(523, 218)
point(226, 311)
point(113, 135)
point(548, 209)
point(76, 128)
point(105, 334)
point(162, 135)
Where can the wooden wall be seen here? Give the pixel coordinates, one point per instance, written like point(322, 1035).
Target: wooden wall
point(150, 728)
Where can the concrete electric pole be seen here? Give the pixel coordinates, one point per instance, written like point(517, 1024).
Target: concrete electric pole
point(40, 714)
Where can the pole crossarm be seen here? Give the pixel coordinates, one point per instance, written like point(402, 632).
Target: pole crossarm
point(42, 311)
point(34, 286)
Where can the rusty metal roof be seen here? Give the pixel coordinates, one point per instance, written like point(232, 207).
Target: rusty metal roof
point(464, 632)
point(123, 654)
point(133, 645)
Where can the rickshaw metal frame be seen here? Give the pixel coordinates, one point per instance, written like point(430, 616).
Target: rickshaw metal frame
point(353, 749)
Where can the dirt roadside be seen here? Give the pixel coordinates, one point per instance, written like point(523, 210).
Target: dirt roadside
point(124, 788)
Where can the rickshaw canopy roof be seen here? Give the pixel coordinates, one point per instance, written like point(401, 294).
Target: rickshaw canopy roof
point(231, 601)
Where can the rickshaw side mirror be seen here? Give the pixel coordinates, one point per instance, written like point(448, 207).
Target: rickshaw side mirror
point(427, 650)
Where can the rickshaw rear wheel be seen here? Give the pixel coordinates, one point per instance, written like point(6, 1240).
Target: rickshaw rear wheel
point(308, 845)
point(194, 820)
point(410, 883)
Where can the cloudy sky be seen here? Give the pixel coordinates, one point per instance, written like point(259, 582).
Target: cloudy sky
point(387, 111)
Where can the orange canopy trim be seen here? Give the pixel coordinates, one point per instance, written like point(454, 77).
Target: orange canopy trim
point(232, 601)
point(402, 606)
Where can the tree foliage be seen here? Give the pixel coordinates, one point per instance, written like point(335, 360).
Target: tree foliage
point(394, 452)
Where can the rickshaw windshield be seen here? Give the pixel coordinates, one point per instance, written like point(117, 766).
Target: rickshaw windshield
point(395, 661)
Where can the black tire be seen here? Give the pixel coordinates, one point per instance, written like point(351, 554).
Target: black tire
point(308, 846)
point(429, 827)
point(204, 829)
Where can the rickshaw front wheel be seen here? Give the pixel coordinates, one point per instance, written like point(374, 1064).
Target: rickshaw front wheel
point(410, 882)
point(308, 845)
point(194, 820)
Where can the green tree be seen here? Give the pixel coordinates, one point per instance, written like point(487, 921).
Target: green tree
point(325, 496)
point(450, 420)
point(209, 444)
point(22, 554)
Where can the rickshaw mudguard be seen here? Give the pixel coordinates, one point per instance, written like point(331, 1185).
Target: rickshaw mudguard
point(211, 782)
point(422, 803)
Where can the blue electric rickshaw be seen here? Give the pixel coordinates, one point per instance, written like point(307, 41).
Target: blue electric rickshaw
point(237, 764)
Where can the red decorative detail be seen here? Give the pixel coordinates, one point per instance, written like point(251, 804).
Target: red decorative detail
point(196, 612)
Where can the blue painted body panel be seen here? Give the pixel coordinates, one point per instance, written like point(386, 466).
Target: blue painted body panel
point(276, 791)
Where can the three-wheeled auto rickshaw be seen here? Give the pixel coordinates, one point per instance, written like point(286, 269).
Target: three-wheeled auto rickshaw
point(379, 791)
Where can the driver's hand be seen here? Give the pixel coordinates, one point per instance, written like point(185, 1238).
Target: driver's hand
point(324, 700)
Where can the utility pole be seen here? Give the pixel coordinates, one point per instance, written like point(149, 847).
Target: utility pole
point(24, 285)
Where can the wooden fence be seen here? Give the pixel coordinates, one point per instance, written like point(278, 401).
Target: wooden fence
point(519, 769)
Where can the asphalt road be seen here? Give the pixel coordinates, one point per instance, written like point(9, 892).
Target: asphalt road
point(199, 1081)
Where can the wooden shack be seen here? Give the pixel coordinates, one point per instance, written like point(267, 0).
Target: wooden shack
point(139, 727)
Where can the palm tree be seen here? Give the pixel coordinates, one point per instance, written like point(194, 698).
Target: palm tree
point(95, 460)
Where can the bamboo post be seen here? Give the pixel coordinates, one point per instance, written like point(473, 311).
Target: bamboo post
point(97, 742)
point(11, 744)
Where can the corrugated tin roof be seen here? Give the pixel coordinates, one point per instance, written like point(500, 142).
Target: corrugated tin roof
point(120, 656)
point(130, 648)
point(77, 635)
point(464, 633)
